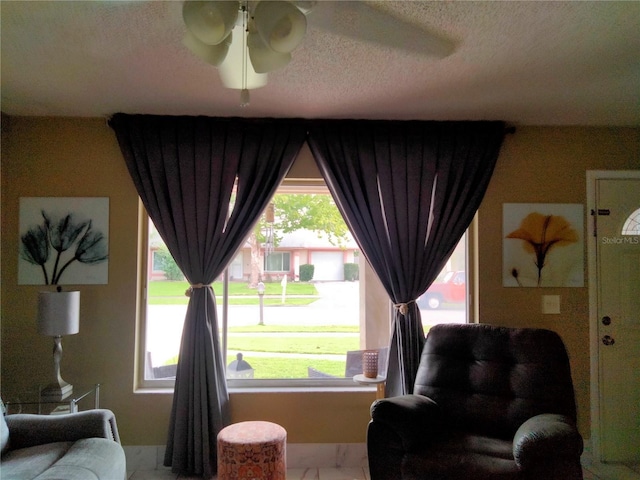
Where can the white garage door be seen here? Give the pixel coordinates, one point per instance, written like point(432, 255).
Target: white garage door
point(328, 266)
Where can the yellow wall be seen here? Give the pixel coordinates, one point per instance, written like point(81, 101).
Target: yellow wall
point(547, 165)
point(80, 157)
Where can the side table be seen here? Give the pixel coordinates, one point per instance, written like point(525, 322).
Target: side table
point(378, 382)
point(32, 401)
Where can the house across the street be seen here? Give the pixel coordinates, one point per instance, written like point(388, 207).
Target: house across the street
point(297, 248)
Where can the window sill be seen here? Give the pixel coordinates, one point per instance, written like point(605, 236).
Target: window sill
point(265, 389)
point(153, 391)
point(301, 389)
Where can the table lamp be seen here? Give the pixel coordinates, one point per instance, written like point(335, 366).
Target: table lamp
point(58, 315)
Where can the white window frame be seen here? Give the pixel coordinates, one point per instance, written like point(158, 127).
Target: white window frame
point(280, 385)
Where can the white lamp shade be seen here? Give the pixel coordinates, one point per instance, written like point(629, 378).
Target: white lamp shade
point(210, 21)
point(263, 59)
point(281, 25)
point(58, 313)
point(212, 54)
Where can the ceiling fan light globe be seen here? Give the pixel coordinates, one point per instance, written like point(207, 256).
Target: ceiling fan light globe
point(305, 6)
point(212, 54)
point(263, 59)
point(210, 21)
point(234, 72)
point(280, 24)
point(231, 77)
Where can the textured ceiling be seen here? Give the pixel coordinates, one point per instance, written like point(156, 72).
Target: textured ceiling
point(536, 63)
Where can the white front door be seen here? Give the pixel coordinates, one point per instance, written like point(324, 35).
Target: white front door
point(617, 232)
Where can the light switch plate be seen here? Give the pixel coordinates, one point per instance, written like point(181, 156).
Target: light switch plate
point(551, 304)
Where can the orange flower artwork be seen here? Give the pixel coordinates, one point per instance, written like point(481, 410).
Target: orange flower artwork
point(542, 233)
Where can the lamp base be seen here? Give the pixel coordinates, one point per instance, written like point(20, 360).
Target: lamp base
point(56, 392)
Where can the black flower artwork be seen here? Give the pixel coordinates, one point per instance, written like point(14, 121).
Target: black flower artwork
point(66, 237)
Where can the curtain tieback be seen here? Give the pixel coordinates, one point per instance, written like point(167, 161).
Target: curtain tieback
point(403, 308)
point(189, 290)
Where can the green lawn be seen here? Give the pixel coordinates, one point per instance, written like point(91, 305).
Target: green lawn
point(289, 301)
point(274, 367)
point(316, 344)
point(279, 367)
point(167, 288)
point(297, 293)
point(313, 344)
point(259, 329)
point(172, 293)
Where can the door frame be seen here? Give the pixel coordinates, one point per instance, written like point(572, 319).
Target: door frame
point(592, 177)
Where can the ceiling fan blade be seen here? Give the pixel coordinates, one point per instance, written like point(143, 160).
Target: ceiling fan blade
point(360, 21)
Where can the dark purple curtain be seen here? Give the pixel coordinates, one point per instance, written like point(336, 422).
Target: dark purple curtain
point(204, 182)
point(408, 191)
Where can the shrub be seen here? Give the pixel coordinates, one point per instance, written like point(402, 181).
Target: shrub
point(171, 270)
point(306, 272)
point(351, 272)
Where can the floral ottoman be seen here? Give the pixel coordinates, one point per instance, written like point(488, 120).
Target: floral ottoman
point(253, 450)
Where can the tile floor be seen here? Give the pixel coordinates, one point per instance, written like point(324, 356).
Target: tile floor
point(611, 472)
point(344, 473)
point(593, 472)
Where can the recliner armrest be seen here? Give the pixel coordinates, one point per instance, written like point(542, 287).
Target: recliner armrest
point(409, 416)
point(27, 430)
point(544, 437)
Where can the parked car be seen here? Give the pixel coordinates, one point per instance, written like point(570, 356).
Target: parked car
point(452, 289)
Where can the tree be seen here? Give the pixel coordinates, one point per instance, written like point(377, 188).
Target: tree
point(168, 264)
point(315, 212)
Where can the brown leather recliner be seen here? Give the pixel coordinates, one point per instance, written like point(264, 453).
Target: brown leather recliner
point(488, 403)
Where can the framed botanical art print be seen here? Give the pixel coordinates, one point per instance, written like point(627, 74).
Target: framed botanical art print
point(63, 241)
point(543, 245)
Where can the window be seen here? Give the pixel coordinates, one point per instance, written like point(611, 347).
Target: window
point(307, 328)
point(445, 301)
point(158, 261)
point(277, 262)
point(632, 224)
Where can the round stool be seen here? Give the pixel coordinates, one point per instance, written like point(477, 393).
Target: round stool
point(252, 451)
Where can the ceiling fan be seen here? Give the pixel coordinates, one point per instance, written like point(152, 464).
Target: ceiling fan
point(246, 40)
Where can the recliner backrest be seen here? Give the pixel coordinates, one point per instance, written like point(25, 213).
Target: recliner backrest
point(490, 379)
